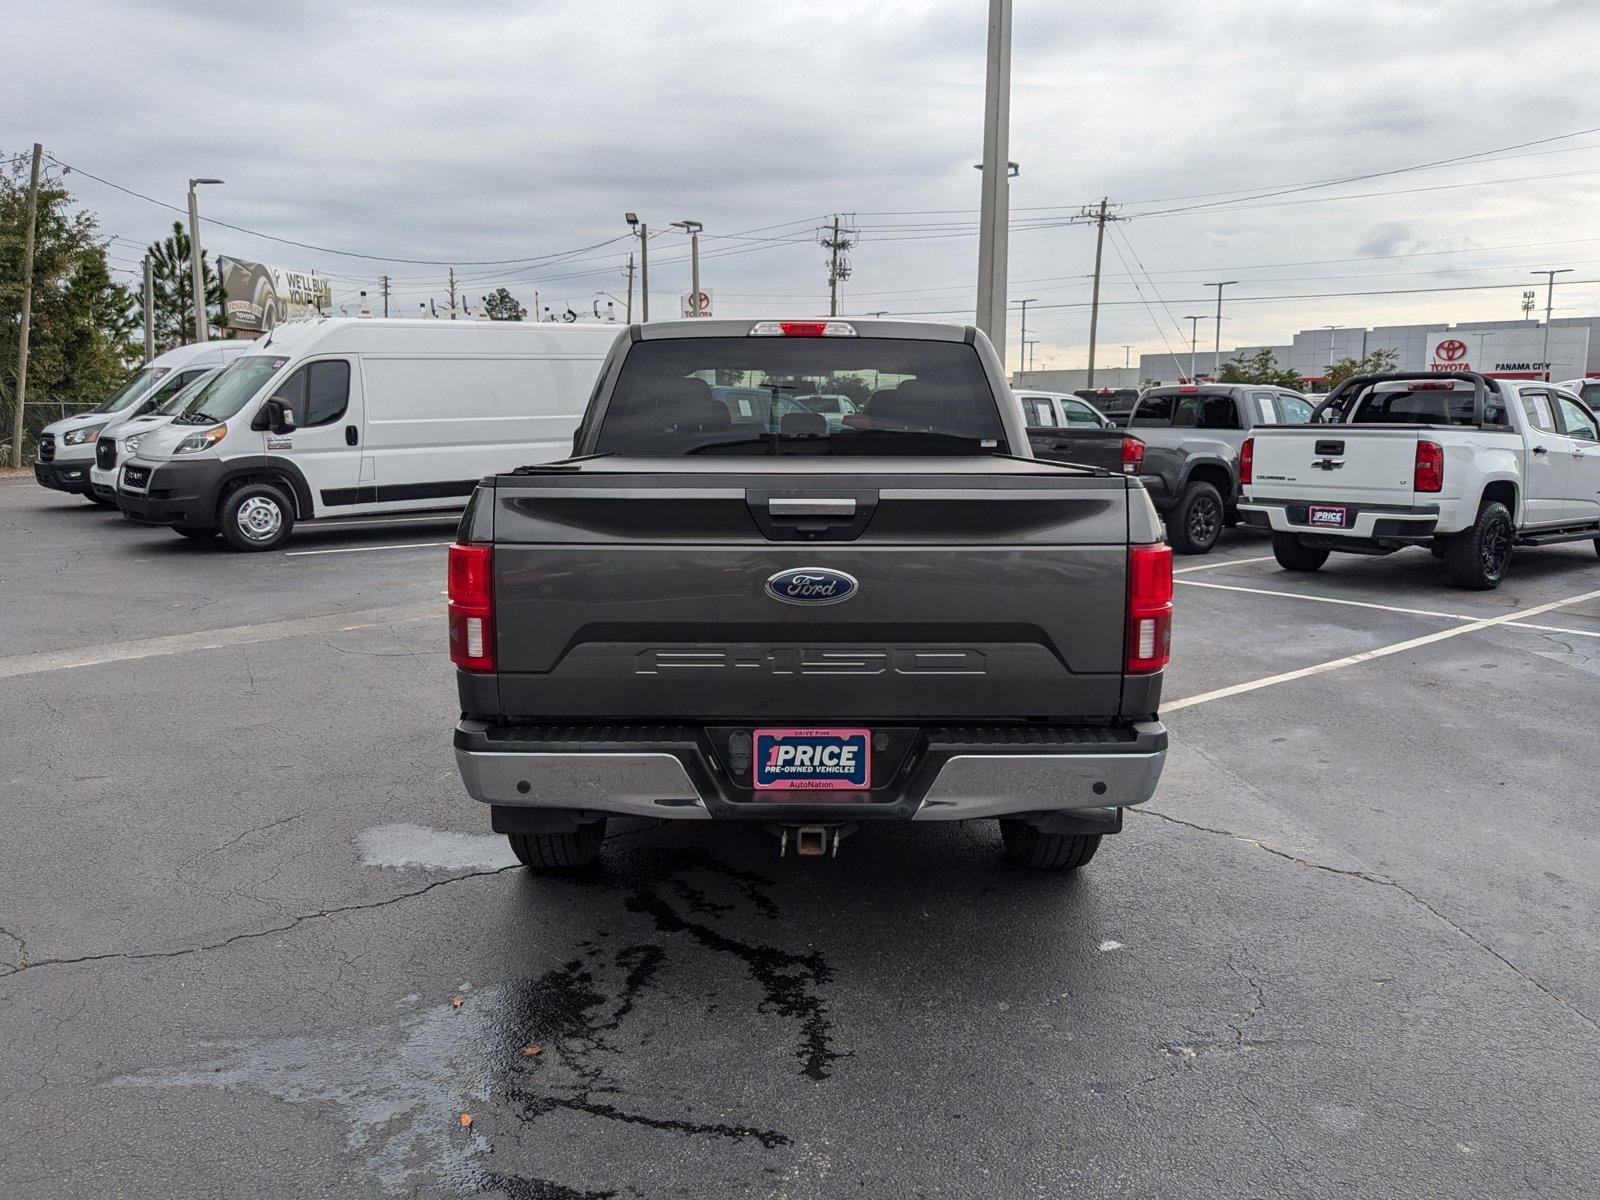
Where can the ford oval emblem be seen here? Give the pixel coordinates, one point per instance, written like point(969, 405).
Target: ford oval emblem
point(811, 585)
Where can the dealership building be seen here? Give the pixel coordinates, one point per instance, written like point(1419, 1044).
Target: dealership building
point(1499, 349)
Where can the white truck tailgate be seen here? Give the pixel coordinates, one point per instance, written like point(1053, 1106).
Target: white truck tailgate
point(1353, 463)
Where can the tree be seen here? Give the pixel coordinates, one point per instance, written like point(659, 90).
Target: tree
point(501, 305)
point(1373, 364)
point(1260, 367)
point(172, 286)
point(853, 387)
point(80, 344)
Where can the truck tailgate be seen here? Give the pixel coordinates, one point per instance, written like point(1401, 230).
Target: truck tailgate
point(1360, 464)
point(989, 585)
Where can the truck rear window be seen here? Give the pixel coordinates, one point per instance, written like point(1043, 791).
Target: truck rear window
point(1390, 404)
point(758, 396)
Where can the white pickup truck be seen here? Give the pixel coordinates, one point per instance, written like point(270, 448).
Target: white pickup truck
point(1467, 466)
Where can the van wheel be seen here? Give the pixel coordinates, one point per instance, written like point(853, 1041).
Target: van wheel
point(194, 533)
point(1027, 846)
point(256, 516)
point(1197, 520)
point(1294, 555)
point(1477, 558)
point(559, 851)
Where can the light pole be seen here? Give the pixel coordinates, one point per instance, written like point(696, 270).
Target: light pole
point(1549, 306)
point(1126, 352)
point(1024, 339)
point(195, 267)
point(1330, 329)
point(1216, 350)
point(1194, 333)
point(693, 228)
point(1027, 348)
point(994, 214)
point(643, 231)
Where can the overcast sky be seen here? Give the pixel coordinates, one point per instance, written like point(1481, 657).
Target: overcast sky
point(475, 131)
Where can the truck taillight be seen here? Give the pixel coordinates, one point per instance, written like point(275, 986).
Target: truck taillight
point(1429, 475)
point(1132, 455)
point(802, 329)
point(471, 591)
point(1149, 608)
point(1247, 461)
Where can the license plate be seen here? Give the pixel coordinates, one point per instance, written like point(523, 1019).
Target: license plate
point(812, 759)
point(1329, 516)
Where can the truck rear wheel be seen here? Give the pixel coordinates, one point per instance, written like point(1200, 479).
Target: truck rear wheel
point(559, 851)
point(1197, 519)
point(1477, 557)
point(1027, 846)
point(1294, 555)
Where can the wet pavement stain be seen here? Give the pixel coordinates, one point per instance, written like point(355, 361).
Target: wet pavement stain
point(400, 1086)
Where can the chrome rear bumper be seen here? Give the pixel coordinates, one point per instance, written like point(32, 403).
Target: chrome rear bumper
point(946, 785)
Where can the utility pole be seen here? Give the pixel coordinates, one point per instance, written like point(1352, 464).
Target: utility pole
point(838, 245)
point(1330, 329)
point(629, 273)
point(196, 264)
point(1194, 326)
point(1023, 343)
point(27, 308)
point(386, 295)
point(452, 293)
point(995, 206)
point(1027, 348)
point(1126, 352)
point(1549, 307)
point(1216, 348)
point(149, 310)
point(693, 228)
point(643, 231)
point(1099, 216)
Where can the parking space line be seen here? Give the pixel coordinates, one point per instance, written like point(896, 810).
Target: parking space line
point(215, 639)
point(1381, 652)
point(1223, 562)
point(360, 549)
point(1415, 612)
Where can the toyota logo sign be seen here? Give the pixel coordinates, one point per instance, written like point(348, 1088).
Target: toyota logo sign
point(1450, 350)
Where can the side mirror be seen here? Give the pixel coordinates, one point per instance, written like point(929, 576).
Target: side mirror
point(282, 418)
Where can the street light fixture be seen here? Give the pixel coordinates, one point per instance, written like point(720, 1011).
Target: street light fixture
point(643, 231)
point(1024, 340)
point(693, 228)
point(197, 273)
point(1549, 306)
point(1216, 350)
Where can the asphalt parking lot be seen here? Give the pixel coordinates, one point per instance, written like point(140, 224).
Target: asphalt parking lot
point(1351, 949)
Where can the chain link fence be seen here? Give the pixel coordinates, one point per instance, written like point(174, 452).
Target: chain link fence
point(35, 416)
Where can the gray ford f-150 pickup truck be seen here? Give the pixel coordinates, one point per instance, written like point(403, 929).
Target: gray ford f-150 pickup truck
point(709, 613)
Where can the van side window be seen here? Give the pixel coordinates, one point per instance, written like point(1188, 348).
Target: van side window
point(318, 393)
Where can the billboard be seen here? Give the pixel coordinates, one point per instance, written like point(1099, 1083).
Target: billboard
point(257, 297)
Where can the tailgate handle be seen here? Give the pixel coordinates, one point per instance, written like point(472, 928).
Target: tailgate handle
point(1330, 447)
point(817, 506)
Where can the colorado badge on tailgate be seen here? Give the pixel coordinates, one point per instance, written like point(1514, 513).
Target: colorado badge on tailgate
point(812, 759)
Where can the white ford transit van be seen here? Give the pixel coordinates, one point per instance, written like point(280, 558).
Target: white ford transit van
point(353, 416)
point(66, 447)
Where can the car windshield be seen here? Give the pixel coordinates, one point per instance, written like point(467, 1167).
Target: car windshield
point(130, 392)
point(226, 392)
point(180, 398)
point(740, 396)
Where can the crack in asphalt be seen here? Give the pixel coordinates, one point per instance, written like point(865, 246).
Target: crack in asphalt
point(1385, 881)
point(248, 935)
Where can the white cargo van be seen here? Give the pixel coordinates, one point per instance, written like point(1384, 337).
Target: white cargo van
point(354, 416)
point(171, 396)
point(67, 446)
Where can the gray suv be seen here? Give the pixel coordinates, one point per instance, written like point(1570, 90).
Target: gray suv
point(1192, 434)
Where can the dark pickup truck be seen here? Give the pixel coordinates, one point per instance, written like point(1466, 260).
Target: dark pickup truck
point(904, 616)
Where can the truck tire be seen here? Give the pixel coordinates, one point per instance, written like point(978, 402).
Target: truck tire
point(559, 851)
point(1027, 846)
point(1197, 519)
point(1597, 545)
point(256, 516)
point(1294, 555)
point(1477, 557)
point(194, 533)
